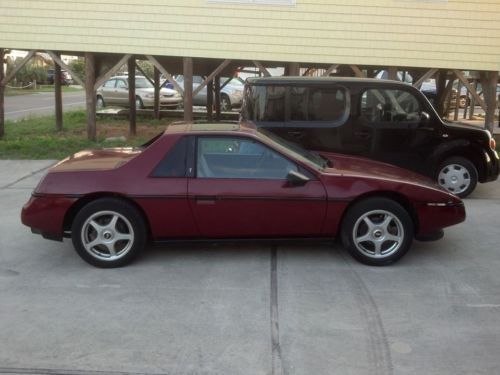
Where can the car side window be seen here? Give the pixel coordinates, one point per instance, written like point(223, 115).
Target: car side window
point(110, 84)
point(121, 84)
point(241, 158)
point(390, 106)
point(174, 164)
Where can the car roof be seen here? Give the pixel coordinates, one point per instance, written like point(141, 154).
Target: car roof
point(319, 80)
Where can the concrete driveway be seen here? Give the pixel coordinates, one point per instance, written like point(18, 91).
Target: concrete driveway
point(303, 309)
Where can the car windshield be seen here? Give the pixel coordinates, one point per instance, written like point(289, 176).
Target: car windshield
point(142, 83)
point(311, 158)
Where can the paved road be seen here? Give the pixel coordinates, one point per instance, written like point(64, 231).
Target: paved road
point(249, 309)
point(40, 104)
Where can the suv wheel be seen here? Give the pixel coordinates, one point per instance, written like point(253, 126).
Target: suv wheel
point(457, 175)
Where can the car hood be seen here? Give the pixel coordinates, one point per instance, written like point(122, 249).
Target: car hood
point(355, 166)
point(88, 160)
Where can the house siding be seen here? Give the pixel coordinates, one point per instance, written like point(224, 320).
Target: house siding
point(444, 34)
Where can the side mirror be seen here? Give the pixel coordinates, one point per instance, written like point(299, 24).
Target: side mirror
point(295, 178)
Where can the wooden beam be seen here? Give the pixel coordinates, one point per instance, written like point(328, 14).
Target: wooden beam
point(2, 94)
point(473, 102)
point(188, 88)
point(392, 73)
point(132, 114)
point(63, 65)
point(210, 101)
point(357, 72)
point(466, 83)
point(217, 98)
point(157, 85)
point(164, 71)
point(111, 72)
point(58, 96)
point(294, 69)
point(90, 95)
point(262, 68)
point(216, 72)
point(330, 70)
point(424, 78)
point(6, 79)
point(138, 67)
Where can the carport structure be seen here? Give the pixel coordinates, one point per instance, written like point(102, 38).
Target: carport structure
point(216, 38)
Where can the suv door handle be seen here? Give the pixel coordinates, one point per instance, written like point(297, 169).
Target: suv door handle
point(364, 135)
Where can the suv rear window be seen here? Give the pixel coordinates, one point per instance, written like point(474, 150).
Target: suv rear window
point(297, 106)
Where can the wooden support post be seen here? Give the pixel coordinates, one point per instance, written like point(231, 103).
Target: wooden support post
point(2, 94)
point(157, 93)
point(58, 95)
point(217, 98)
point(262, 68)
point(293, 69)
point(457, 101)
point(132, 117)
point(90, 95)
point(489, 82)
point(392, 73)
point(358, 72)
point(188, 88)
point(210, 101)
point(330, 70)
point(473, 102)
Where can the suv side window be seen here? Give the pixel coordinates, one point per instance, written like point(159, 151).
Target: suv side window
point(297, 106)
point(241, 158)
point(390, 106)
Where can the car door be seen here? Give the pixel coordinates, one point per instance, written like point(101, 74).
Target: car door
point(121, 92)
point(240, 190)
point(108, 92)
point(398, 133)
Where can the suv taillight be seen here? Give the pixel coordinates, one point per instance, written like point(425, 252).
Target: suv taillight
point(493, 143)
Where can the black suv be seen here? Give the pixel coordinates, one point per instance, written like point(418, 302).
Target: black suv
point(383, 120)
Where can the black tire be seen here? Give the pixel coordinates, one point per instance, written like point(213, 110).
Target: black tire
point(138, 103)
point(225, 103)
point(100, 103)
point(129, 225)
point(458, 175)
point(391, 233)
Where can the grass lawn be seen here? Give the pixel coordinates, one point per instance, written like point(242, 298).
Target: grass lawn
point(41, 88)
point(37, 138)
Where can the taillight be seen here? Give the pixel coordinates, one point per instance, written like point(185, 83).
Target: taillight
point(493, 143)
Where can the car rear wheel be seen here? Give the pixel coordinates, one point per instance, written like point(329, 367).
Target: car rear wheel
point(377, 231)
point(108, 233)
point(457, 175)
point(100, 102)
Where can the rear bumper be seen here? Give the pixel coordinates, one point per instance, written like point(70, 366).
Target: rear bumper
point(45, 215)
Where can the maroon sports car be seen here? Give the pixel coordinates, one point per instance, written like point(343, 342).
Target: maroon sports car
point(230, 181)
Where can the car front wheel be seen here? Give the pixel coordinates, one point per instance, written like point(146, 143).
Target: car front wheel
point(108, 233)
point(457, 175)
point(225, 103)
point(377, 231)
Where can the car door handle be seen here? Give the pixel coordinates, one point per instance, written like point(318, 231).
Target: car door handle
point(205, 200)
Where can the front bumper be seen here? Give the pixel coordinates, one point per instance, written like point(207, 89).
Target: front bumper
point(45, 215)
point(492, 167)
point(434, 217)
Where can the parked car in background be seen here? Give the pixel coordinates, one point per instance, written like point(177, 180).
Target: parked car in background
point(66, 78)
point(227, 181)
point(115, 92)
point(388, 121)
point(231, 94)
